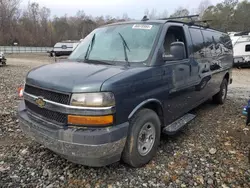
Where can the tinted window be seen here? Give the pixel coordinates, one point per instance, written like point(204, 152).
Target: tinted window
point(248, 48)
point(197, 40)
point(216, 43)
point(226, 41)
point(210, 41)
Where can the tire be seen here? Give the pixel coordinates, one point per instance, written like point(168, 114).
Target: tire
point(142, 120)
point(220, 97)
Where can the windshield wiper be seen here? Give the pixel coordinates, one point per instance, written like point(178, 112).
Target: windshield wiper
point(125, 48)
point(99, 61)
point(93, 61)
point(90, 47)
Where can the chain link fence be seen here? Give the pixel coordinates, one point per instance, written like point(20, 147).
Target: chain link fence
point(24, 49)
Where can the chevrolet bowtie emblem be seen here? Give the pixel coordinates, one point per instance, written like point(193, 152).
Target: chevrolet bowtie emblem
point(40, 102)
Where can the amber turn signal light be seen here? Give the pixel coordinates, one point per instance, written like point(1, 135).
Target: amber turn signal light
point(90, 120)
point(20, 91)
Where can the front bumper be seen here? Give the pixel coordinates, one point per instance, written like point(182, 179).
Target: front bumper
point(98, 147)
point(242, 61)
point(242, 64)
point(62, 53)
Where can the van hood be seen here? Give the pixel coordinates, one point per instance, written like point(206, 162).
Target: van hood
point(72, 76)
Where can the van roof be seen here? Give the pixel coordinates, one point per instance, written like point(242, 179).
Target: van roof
point(160, 21)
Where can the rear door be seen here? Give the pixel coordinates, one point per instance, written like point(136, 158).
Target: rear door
point(199, 66)
point(218, 58)
point(201, 59)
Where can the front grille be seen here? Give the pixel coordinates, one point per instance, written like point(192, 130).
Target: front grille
point(55, 117)
point(49, 95)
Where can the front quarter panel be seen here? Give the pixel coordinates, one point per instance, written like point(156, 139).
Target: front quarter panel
point(133, 87)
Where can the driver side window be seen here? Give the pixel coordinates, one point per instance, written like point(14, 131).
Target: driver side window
point(174, 34)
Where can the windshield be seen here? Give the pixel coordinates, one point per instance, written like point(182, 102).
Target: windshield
point(106, 43)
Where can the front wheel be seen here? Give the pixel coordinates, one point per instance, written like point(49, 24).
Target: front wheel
point(220, 97)
point(143, 138)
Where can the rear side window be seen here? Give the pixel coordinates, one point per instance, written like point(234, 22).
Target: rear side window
point(216, 43)
point(210, 41)
point(197, 40)
point(248, 48)
point(226, 41)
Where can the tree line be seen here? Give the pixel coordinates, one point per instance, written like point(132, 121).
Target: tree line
point(34, 25)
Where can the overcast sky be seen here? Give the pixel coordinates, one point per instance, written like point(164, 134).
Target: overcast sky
point(134, 8)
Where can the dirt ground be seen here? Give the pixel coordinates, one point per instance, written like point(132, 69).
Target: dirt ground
point(212, 151)
point(241, 83)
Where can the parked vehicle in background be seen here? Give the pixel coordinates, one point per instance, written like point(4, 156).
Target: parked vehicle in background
point(2, 59)
point(241, 47)
point(124, 85)
point(64, 48)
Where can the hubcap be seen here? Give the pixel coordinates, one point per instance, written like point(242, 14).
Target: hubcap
point(146, 139)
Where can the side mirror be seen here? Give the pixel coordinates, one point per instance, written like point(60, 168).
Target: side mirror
point(177, 52)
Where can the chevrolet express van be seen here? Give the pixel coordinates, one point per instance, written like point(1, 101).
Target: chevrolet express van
point(122, 87)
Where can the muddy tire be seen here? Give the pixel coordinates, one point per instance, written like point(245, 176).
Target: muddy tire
point(143, 138)
point(220, 97)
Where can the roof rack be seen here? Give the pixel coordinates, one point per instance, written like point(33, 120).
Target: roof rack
point(192, 21)
point(181, 17)
point(145, 18)
point(201, 21)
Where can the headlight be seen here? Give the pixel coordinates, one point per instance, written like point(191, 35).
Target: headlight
point(102, 99)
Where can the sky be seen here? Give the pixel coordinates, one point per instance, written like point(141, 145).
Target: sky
point(134, 8)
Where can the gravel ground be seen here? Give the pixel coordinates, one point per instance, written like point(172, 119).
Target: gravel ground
point(212, 151)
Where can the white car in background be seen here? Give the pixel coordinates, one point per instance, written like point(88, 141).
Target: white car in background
point(64, 48)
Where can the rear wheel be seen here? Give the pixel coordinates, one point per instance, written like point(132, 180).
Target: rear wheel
point(143, 138)
point(220, 97)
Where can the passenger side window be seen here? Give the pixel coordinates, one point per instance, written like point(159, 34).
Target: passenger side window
point(174, 34)
point(197, 40)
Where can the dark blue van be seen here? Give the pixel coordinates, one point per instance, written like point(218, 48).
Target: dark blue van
point(122, 87)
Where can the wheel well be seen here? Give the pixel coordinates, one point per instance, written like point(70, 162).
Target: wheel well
point(227, 77)
point(156, 107)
